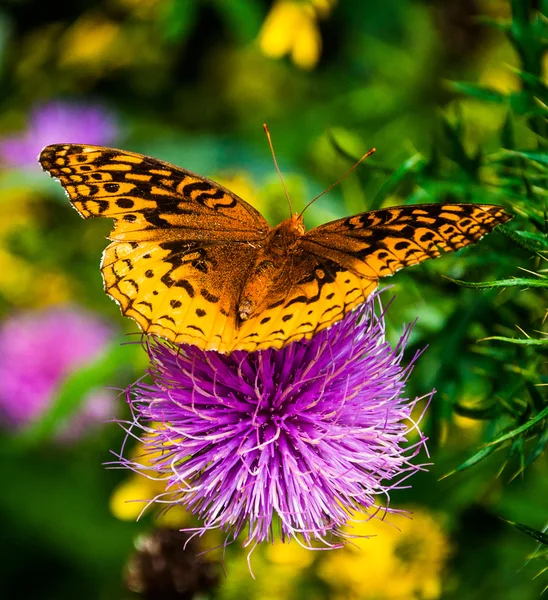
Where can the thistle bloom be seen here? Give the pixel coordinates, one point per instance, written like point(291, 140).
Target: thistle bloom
point(56, 122)
point(39, 350)
point(307, 434)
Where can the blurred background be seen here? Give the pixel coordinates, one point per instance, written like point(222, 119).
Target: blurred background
point(453, 96)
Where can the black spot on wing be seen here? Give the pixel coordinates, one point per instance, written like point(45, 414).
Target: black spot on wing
point(166, 318)
point(195, 328)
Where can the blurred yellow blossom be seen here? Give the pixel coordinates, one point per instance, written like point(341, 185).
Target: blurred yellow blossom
point(403, 560)
point(90, 40)
point(241, 184)
point(291, 28)
point(130, 499)
point(27, 285)
point(291, 554)
point(276, 569)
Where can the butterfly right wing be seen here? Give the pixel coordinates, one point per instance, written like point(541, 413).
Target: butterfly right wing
point(336, 266)
point(378, 243)
point(180, 243)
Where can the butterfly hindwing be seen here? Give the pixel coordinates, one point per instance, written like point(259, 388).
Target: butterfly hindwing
point(309, 294)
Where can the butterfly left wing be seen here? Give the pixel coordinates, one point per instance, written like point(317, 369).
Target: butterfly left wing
point(336, 266)
point(181, 243)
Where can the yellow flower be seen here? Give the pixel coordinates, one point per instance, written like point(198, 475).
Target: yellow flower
point(291, 28)
point(133, 496)
point(404, 559)
point(90, 40)
point(276, 569)
point(23, 284)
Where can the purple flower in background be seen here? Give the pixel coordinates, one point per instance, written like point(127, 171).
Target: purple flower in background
point(57, 122)
point(37, 352)
point(307, 434)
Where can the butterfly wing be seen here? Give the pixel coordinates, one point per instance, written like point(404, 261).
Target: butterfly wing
point(379, 243)
point(309, 293)
point(336, 266)
point(181, 243)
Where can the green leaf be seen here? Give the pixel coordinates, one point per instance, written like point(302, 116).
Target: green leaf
point(414, 164)
point(537, 156)
point(518, 341)
point(530, 241)
point(101, 373)
point(473, 460)
point(537, 535)
point(538, 448)
point(521, 429)
point(536, 396)
point(517, 282)
point(477, 91)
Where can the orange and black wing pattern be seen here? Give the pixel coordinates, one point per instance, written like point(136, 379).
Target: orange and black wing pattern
point(181, 243)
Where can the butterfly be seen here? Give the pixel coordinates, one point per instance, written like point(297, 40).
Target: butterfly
point(192, 262)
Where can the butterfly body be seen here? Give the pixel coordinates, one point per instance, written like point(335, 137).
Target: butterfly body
point(194, 263)
point(273, 256)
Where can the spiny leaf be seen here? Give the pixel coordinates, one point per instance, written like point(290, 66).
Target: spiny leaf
point(529, 241)
point(517, 282)
point(537, 535)
point(473, 460)
point(521, 429)
point(518, 341)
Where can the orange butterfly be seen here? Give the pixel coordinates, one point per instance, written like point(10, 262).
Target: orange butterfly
point(192, 262)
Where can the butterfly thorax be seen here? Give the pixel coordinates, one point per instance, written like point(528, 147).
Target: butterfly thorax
point(281, 238)
point(270, 258)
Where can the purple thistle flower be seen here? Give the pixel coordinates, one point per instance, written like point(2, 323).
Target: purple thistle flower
point(57, 122)
point(38, 351)
point(307, 434)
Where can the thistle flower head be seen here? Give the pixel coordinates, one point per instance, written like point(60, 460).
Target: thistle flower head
point(309, 433)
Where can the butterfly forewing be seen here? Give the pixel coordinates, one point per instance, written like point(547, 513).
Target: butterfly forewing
point(379, 243)
point(143, 194)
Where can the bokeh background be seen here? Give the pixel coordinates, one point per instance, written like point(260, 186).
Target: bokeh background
point(453, 96)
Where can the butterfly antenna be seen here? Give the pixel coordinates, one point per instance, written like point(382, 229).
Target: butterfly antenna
point(265, 127)
point(368, 153)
